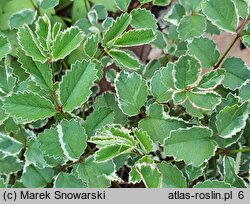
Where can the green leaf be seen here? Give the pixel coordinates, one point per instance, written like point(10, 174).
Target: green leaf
point(204, 100)
point(111, 151)
point(2, 183)
point(212, 184)
point(144, 140)
point(237, 73)
point(91, 45)
point(72, 138)
point(99, 118)
point(242, 7)
point(75, 86)
point(175, 14)
point(162, 84)
point(158, 125)
point(110, 135)
point(109, 100)
point(211, 80)
point(5, 47)
point(26, 16)
point(132, 92)
point(10, 164)
point(34, 177)
point(144, 1)
point(49, 143)
point(142, 19)
point(96, 175)
point(150, 175)
point(244, 92)
point(123, 4)
point(172, 176)
point(230, 176)
point(29, 44)
point(135, 38)
point(116, 29)
point(66, 42)
point(28, 106)
point(191, 5)
point(194, 172)
point(183, 144)
point(200, 47)
point(48, 4)
point(231, 120)
point(192, 110)
point(161, 2)
point(134, 176)
point(41, 72)
point(7, 81)
point(222, 14)
point(66, 180)
point(43, 31)
point(124, 59)
point(191, 26)
point(9, 145)
point(3, 115)
point(186, 72)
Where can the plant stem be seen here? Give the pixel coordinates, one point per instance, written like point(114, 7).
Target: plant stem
point(239, 150)
point(240, 28)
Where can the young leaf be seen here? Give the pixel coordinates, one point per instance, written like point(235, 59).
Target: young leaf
point(9, 145)
point(135, 37)
point(144, 140)
point(184, 144)
point(99, 118)
point(91, 45)
point(28, 106)
point(237, 73)
point(116, 29)
point(30, 45)
point(123, 4)
point(222, 14)
point(186, 72)
point(40, 72)
point(49, 143)
point(191, 26)
point(72, 137)
point(34, 177)
point(211, 80)
point(142, 19)
point(66, 42)
point(212, 184)
point(66, 180)
point(159, 126)
point(231, 120)
point(48, 4)
point(74, 89)
point(124, 59)
point(132, 92)
point(172, 176)
point(43, 31)
point(5, 47)
point(7, 80)
point(26, 16)
point(200, 47)
point(96, 175)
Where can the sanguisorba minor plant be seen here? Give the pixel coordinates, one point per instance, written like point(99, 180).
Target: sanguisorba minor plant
point(78, 108)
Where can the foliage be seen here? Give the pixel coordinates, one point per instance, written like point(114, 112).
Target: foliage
point(81, 107)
